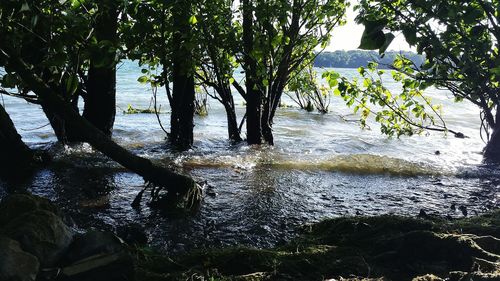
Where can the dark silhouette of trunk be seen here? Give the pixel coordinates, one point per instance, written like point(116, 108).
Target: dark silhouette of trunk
point(491, 152)
point(63, 132)
point(17, 159)
point(100, 99)
point(177, 185)
point(183, 92)
point(232, 123)
point(253, 93)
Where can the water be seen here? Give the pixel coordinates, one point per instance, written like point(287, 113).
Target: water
point(321, 166)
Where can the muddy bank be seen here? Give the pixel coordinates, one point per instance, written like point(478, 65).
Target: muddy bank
point(382, 248)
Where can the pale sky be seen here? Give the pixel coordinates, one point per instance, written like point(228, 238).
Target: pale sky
point(348, 37)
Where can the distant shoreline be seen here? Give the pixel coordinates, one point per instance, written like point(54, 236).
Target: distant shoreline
point(358, 58)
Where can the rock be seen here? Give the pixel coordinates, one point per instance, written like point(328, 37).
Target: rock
point(15, 264)
point(93, 243)
point(42, 234)
point(18, 204)
point(98, 255)
point(132, 234)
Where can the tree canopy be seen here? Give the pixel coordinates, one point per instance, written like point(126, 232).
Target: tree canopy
point(460, 42)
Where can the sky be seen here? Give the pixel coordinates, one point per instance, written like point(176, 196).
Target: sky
point(348, 37)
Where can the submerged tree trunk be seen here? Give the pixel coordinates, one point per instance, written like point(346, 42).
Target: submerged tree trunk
point(232, 124)
point(491, 152)
point(100, 99)
point(63, 132)
point(254, 95)
point(175, 183)
point(16, 158)
point(183, 92)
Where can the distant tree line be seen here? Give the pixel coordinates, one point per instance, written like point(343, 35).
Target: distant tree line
point(357, 58)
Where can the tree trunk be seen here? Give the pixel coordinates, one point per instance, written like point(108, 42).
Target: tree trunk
point(176, 184)
point(17, 158)
point(491, 152)
point(100, 99)
point(63, 132)
point(254, 95)
point(183, 92)
point(232, 124)
point(267, 130)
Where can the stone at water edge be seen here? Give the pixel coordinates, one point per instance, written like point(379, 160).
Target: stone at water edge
point(93, 242)
point(132, 234)
point(15, 205)
point(42, 234)
point(98, 255)
point(15, 264)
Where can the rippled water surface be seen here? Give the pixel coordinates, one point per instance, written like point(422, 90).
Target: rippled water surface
point(321, 166)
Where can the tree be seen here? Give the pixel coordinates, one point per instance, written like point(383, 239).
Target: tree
point(25, 71)
point(183, 71)
point(460, 41)
point(278, 37)
point(17, 158)
point(406, 113)
point(217, 60)
point(160, 35)
point(71, 45)
point(100, 97)
point(307, 93)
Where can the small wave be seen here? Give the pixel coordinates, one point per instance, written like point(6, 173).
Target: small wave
point(355, 163)
point(365, 164)
point(220, 161)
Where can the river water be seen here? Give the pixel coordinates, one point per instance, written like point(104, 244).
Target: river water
point(322, 166)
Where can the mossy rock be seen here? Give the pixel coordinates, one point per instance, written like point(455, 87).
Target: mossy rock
point(16, 205)
point(15, 264)
point(40, 233)
point(381, 248)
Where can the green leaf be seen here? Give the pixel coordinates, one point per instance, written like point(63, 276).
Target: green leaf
point(495, 71)
point(373, 37)
point(372, 41)
point(143, 79)
point(410, 36)
point(193, 20)
point(25, 7)
point(72, 85)
point(389, 37)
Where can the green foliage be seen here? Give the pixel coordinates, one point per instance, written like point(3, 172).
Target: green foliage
point(201, 103)
point(459, 40)
point(407, 113)
point(307, 93)
point(133, 110)
point(57, 40)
